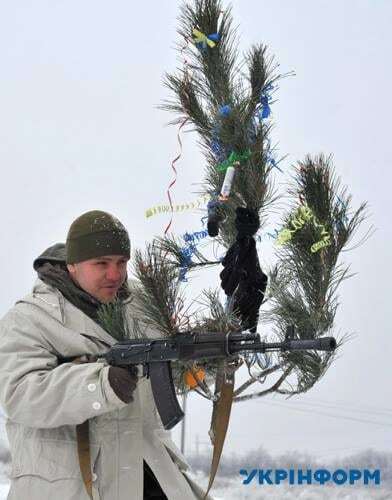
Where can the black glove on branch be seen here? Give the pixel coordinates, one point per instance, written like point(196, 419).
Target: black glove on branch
point(123, 382)
point(242, 271)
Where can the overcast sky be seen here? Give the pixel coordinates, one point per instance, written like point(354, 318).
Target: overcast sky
point(80, 130)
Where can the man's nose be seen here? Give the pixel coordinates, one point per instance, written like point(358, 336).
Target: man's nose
point(113, 273)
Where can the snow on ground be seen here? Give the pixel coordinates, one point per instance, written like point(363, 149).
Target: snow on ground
point(230, 489)
point(233, 489)
point(4, 487)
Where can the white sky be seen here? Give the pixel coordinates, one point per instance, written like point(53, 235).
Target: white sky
point(80, 130)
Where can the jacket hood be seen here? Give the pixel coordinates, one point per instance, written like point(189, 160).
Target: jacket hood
point(54, 254)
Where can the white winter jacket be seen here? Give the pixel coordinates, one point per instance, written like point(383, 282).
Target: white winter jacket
point(44, 401)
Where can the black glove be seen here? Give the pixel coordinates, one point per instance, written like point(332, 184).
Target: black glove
point(123, 382)
point(242, 270)
point(250, 291)
point(215, 217)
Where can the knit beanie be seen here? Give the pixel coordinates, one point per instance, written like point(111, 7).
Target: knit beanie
point(95, 234)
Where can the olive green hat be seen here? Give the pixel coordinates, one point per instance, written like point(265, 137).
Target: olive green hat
point(95, 234)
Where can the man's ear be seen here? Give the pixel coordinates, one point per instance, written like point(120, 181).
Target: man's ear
point(71, 268)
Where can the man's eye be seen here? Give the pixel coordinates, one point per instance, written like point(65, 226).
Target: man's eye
point(103, 262)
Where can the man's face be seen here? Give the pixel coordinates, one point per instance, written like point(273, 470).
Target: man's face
point(100, 277)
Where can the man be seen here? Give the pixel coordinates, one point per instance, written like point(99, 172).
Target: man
point(77, 427)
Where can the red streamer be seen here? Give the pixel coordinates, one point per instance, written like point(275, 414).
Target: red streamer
point(175, 174)
point(186, 76)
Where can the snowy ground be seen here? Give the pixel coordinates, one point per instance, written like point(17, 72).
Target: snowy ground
point(4, 487)
point(234, 490)
point(4, 481)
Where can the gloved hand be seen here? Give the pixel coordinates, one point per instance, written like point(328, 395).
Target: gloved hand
point(123, 382)
point(242, 272)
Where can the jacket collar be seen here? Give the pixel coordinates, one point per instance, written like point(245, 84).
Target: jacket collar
point(51, 300)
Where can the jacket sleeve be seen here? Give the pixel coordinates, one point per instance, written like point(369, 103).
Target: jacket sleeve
point(37, 392)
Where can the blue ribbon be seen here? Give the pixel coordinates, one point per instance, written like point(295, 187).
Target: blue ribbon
point(265, 99)
point(186, 261)
point(225, 110)
point(197, 235)
point(218, 150)
point(270, 159)
point(191, 240)
point(214, 37)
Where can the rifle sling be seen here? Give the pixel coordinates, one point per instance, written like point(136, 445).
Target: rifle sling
point(82, 433)
point(220, 425)
point(83, 438)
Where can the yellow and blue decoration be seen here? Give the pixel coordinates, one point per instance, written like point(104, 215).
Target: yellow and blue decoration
point(203, 41)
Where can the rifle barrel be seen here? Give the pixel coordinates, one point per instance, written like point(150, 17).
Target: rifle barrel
point(323, 344)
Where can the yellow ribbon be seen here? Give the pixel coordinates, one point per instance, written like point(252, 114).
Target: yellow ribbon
point(284, 236)
point(324, 242)
point(163, 209)
point(302, 215)
point(202, 38)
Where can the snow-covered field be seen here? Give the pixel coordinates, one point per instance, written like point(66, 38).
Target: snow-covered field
point(4, 481)
point(231, 488)
point(226, 489)
point(4, 487)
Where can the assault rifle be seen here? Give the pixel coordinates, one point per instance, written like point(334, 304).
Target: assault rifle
point(156, 355)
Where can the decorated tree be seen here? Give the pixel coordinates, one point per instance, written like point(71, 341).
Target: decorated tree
point(226, 100)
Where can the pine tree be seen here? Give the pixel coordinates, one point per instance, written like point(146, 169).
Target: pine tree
point(227, 100)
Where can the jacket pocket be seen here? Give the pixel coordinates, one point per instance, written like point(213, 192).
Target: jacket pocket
point(50, 459)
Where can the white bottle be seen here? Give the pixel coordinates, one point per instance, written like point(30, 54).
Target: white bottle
point(227, 183)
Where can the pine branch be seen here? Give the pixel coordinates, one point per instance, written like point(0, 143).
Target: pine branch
point(253, 380)
point(212, 79)
point(304, 283)
point(216, 66)
point(111, 318)
point(273, 388)
point(157, 299)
